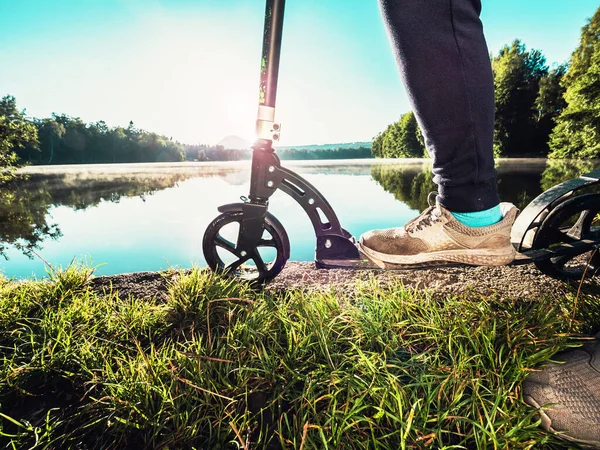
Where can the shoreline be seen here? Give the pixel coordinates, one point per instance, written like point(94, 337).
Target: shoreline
point(100, 167)
point(505, 282)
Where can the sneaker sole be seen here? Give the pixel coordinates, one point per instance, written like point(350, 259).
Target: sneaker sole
point(547, 425)
point(471, 257)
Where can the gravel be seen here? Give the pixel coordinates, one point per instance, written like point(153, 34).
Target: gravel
point(506, 282)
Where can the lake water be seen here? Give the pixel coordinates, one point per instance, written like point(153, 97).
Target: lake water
point(138, 217)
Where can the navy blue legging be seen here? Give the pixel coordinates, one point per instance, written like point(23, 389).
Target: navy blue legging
point(445, 66)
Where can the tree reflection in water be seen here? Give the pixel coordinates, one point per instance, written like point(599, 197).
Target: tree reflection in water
point(558, 171)
point(411, 184)
point(519, 181)
point(24, 217)
point(25, 222)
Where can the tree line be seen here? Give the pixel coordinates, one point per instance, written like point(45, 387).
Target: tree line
point(540, 110)
point(62, 139)
point(324, 153)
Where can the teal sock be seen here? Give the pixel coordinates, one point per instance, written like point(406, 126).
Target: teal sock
point(479, 218)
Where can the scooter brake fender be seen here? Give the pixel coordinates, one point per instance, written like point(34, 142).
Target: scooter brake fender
point(231, 207)
point(535, 212)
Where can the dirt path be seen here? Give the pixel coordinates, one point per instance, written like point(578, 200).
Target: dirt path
point(504, 282)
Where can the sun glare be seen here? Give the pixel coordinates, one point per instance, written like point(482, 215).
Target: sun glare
point(241, 110)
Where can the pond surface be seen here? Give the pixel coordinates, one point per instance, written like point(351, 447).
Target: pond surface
point(138, 217)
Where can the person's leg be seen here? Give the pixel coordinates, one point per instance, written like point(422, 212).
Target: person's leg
point(445, 66)
point(444, 62)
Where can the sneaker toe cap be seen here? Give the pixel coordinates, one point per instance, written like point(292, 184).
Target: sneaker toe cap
point(378, 240)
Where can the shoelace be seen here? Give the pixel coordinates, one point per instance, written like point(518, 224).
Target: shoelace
point(427, 217)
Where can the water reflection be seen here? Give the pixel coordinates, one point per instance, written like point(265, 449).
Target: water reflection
point(519, 181)
point(25, 221)
point(411, 184)
point(558, 171)
point(149, 217)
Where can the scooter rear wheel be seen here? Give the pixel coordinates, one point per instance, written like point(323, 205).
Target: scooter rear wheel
point(574, 220)
point(259, 264)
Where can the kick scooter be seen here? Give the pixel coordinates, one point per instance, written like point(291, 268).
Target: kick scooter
point(556, 231)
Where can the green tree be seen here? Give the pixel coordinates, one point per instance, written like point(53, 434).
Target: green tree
point(517, 77)
point(577, 133)
point(50, 133)
point(75, 140)
point(402, 139)
point(376, 146)
point(16, 132)
point(549, 104)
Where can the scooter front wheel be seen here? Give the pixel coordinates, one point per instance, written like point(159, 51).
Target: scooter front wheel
point(261, 263)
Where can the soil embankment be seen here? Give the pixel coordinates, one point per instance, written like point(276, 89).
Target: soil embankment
point(503, 282)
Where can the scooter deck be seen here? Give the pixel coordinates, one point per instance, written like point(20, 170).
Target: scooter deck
point(527, 257)
point(369, 263)
point(372, 265)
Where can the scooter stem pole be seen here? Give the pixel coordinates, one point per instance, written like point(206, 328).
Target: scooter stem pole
point(267, 130)
point(270, 52)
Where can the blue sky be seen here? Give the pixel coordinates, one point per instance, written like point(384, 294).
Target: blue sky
point(189, 68)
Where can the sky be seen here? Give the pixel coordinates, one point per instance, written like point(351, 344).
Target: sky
point(189, 69)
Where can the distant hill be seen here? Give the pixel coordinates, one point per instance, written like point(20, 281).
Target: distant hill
point(234, 143)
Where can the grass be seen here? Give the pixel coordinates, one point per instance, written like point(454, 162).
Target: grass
point(217, 365)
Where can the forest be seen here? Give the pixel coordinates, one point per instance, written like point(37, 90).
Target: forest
point(325, 153)
point(61, 139)
point(541, 111)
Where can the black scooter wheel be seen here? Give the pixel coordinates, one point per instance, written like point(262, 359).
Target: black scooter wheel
point(574, 220)
point(259, 264)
